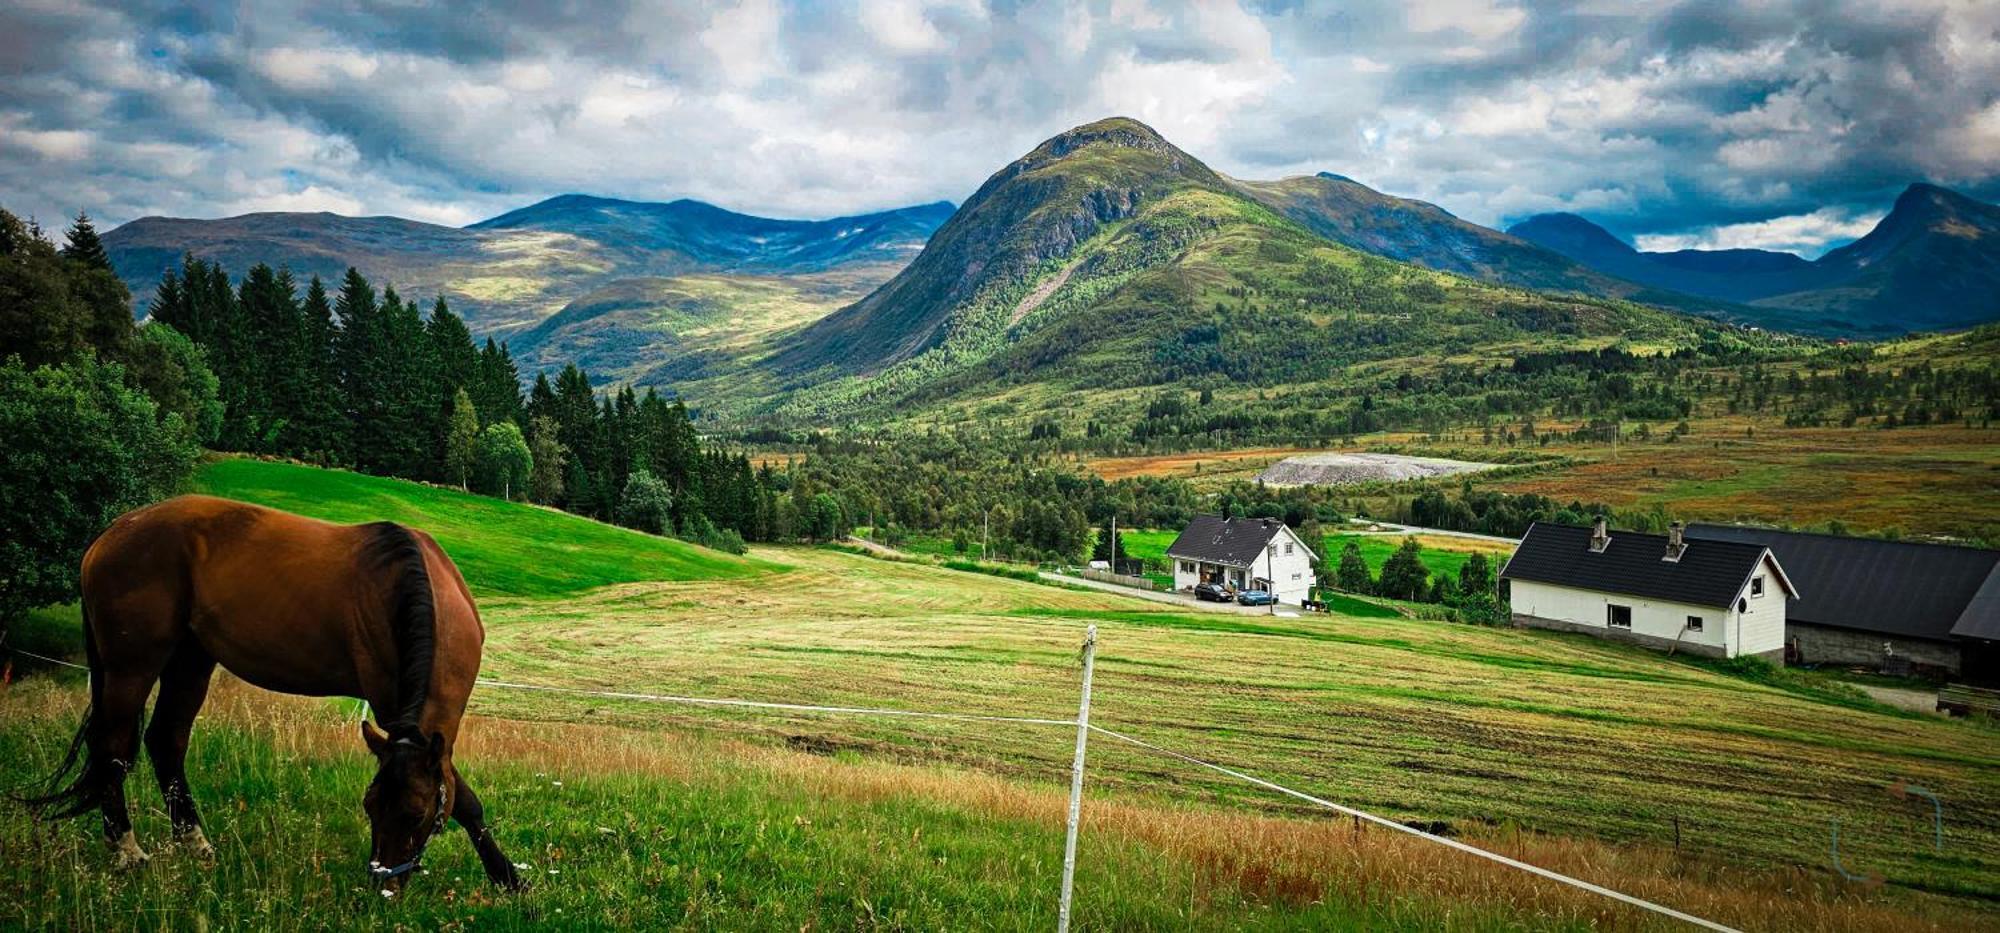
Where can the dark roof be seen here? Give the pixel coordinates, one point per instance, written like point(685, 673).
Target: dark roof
point(1891, 587)
point(1236, 542)
point(1709, 573)
point(1981, 618)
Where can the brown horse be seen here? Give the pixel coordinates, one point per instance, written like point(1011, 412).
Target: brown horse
point(290, 604)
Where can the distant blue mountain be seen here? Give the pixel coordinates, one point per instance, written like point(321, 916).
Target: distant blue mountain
point(1932, 264)
point(723, 240)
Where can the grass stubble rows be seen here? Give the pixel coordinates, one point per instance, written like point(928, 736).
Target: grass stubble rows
point(1584, 757)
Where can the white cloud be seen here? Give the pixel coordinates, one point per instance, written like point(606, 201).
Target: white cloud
point(1807, 234)
point(1659, 119)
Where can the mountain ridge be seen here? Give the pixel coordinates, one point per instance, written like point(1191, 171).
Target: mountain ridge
point(1932, 262)
point(513, 271)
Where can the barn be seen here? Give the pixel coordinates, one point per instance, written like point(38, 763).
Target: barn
point(1898, 605)
point(1721, 599)
point(1245, 554)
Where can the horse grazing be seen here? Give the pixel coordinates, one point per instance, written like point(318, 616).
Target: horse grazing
point(293, 605)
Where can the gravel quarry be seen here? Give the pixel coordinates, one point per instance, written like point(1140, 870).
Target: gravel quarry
point(1344, 469)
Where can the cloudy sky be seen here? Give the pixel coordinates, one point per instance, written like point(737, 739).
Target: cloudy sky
point(1723, 123)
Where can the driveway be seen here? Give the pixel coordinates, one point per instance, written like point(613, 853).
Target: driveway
point(1360, 526)
point(1182, 600)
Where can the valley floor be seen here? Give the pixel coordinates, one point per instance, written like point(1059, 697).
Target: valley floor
point(1703, 788)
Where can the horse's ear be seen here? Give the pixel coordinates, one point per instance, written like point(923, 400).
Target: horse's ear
point(437, 747)
point(377, 742)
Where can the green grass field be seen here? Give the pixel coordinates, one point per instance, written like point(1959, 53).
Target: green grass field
point(1567, 751)
point(502, 548)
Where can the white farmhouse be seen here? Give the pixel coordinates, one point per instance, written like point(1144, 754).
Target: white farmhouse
point(1717, 598)
point(1244, 553)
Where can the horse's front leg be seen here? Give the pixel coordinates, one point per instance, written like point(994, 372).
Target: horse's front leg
point(183, 689)
point(466, 809)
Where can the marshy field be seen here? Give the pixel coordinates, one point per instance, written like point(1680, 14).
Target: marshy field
point(1706, 787)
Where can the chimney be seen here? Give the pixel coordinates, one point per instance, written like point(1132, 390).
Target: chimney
point(1600, 537)
point(1676, 542)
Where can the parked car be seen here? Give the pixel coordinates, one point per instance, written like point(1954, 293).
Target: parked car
point(1211, 592)
point(1256, 598)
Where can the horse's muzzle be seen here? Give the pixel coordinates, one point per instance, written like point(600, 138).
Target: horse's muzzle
point(382, 875)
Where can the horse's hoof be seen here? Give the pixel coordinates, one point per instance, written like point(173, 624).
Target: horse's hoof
point(196, 843)
point(126, 854)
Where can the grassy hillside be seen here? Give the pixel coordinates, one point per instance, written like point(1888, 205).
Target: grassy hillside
point(1583, 755)
point(1107, 263)
point(503, 548)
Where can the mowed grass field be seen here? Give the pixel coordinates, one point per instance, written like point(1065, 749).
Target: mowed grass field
point(1588, 757)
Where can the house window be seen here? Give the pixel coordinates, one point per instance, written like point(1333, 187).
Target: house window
point(1694, 623)
point(1618, 616)
point(1295, 576)
point(1288, 549)
point(1187, 566)
point(1274, 550)
point(1757, 585)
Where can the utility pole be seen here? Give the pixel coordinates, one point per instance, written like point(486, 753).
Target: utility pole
point(985, 520)
point(1114, 542)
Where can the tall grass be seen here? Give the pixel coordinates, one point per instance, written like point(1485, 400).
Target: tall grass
point(665, 830)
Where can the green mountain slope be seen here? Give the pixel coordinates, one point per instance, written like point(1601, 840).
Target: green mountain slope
point(1348, 212)
point(1107, 259)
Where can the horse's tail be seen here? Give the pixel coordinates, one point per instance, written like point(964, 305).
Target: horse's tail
point(60, 795)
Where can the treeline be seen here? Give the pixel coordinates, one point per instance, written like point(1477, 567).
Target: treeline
point(1472, 591)
point(369, 380)
point(97, 417)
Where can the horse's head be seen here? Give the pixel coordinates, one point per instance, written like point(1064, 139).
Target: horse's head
point(407, 803)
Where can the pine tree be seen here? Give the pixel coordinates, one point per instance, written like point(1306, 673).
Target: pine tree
point(1404, 575)
point(1352, 575)
point(364, 385)
point(545, 484)
point(462, 440)
point(497, 386)
point(101, 296)
point(323, 430)
point(80, 243)
point(1475, 575)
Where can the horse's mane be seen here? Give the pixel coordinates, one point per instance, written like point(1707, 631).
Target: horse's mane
point(393, 549)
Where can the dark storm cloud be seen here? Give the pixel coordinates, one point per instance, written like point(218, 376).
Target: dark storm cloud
point(1713, 123)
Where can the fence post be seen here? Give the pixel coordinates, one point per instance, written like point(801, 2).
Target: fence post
point(1076, 780)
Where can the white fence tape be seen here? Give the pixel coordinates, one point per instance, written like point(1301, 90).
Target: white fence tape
point(788, 707)
point(1440, 840)
point(44, 657)
point(1189, 759)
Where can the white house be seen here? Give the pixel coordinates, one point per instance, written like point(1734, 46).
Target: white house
point(1244, 553)
point(1718, 598)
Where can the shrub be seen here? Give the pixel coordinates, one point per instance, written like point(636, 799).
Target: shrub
point(646, 504)
point(78, 447)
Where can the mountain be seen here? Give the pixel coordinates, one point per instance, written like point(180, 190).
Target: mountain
point(1036, 212)
point(708, 238)
point(1107, 258)
point(1932, 263)
point(1346, 211)
point(516, 272)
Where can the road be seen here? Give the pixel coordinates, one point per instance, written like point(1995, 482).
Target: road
point(1391, 528)
point(1166, 596)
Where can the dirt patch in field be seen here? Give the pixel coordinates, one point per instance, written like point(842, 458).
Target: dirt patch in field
point(1342, 469)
